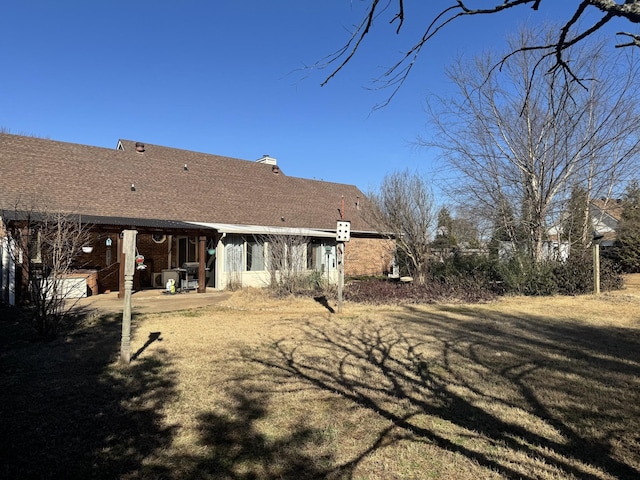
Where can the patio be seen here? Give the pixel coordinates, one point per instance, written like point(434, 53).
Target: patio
point(151, 301)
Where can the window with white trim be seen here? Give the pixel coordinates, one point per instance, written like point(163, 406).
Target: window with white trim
point(233, 249)
point(255, 255)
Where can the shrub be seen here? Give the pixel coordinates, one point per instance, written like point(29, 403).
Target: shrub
point(457, 265)
point(450, 289)
point(466, 276)
point(540, 279)
point(575, 276)
point(473, 279)
point(610, 275)
point(300, 283)
point(520, 276)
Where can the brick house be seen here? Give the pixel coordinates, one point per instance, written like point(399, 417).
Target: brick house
point(215, 212)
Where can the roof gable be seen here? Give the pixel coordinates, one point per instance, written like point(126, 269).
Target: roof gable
point(606, 212)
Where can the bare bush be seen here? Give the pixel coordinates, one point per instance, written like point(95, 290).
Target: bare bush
point(403, 210)
point(287, 263)
point(48, 246)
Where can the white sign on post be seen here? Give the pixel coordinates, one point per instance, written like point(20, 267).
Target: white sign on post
point(343, 231)
point(343, 234)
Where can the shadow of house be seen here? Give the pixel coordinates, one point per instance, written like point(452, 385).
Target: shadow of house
point(67, 411)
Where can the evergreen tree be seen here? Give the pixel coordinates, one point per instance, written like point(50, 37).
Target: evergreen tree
point(465, 232)
point(627, 246)
point(505, 230)
point(445, 237)
point(576, 224)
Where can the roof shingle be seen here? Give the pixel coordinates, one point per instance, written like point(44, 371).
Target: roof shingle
point(97, 181)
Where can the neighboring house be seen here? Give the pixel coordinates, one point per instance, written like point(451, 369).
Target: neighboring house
point(605, 216)
point(216, 214)
point(554, 248)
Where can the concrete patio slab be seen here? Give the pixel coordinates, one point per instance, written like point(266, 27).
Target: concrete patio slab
point(152, 301)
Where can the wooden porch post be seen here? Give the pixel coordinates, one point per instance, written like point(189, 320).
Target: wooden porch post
point(202, 241)
point(121, 272)
point(128, 255)
point(25, 267)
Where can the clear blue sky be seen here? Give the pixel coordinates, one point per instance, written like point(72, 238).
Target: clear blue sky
point(228, 78)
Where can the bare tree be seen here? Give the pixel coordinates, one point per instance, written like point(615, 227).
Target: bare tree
point(46, 246)
point(466, 229)
point(403, 210)
point(287, 262)
point(520, 139)
point(571, 31)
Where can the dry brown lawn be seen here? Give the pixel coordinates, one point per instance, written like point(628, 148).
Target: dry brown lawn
point(257, 388)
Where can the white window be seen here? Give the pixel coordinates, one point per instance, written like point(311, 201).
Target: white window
point(255, 255)
point(319, 255)
point(233, 248)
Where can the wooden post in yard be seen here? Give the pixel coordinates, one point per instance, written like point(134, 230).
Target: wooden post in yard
point(202, 287)
point(597, 237)
point(596, 268)
point(343, 234)
point(340, 255)
point(129, 252)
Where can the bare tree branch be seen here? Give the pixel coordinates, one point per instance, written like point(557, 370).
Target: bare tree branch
point(635, 40)
point(570, 33)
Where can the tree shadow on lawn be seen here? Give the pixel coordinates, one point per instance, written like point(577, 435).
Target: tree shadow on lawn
point(533, 397)
point(68, 411)
point(236, 448)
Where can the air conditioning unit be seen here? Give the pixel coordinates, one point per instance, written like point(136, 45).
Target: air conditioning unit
point(156, 277)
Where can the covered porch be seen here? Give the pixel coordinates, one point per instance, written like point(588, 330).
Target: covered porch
point(164, 249)
point(193, 256)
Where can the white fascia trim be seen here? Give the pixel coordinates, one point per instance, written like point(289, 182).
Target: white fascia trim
point(263, 230)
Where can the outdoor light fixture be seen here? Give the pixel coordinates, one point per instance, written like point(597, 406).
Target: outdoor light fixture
point(133, 187)
point(108, 242)
point(185, 167)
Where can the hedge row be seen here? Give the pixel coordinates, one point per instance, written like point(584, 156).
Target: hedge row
point(473, 279)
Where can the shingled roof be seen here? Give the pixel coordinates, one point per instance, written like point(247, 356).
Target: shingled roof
point(611, 207)
point(606, 214)
point(170, 184)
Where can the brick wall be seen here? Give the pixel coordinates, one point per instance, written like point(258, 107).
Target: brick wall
point(155, 258)
point(368, 256)
point(107, 278)
point(155, 254)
